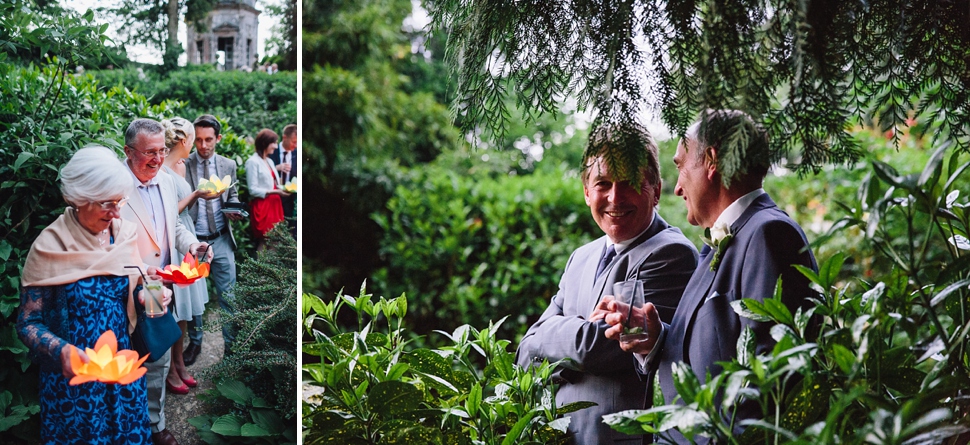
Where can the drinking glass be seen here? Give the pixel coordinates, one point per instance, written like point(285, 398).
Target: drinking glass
point(154, 290)
point(630, 293)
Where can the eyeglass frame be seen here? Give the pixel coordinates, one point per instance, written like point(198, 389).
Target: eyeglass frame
point(114, 205)
point(161, 152)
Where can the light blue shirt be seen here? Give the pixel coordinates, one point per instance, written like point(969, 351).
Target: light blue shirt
point(151, 196)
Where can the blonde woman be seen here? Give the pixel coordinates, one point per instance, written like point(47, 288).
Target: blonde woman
point(189, 301)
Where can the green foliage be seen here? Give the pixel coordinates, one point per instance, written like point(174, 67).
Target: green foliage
point(804, 69)
point(365, 118)
point(891, 358)
point(377, 388)
point(467, 247)
point(248, 101)
point(262, 356)
point(46, 114)
point(252, 420)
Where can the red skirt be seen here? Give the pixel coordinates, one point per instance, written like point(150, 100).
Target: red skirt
point(266, 212)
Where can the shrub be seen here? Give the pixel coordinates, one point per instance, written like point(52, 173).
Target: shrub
point(259, 374)
point(376, 388)
point(247, 101)
point(467, 248)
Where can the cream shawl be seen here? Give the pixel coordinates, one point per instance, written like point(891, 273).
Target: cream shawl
point(66, 252)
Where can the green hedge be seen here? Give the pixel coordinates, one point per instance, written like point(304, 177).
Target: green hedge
point(248, 101)
point(45, 117)
point(466, 248)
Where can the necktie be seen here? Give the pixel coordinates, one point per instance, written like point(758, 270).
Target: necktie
point(208, 203)
point(607, 257)
point(284, 175)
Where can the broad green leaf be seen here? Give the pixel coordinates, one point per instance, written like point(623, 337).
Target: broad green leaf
point(253, 430)
point(236, 391)
point(268, 420)
point(752, 309)
point(513, 435)
point(573, 407)
point(228, 425)
point(844, 358)
point(394, 398)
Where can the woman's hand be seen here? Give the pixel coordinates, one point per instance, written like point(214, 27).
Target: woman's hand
point(66, 360)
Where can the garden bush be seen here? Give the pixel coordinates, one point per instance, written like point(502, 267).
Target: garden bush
point(247, 101)
point(255, 399)
point(468, 248)
point(372, 385)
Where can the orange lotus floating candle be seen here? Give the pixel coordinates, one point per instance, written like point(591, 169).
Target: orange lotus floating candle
point(186, 273)
point(106, 363)
point(290, 187)
point(214, 184)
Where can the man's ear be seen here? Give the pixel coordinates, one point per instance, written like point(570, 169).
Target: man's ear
point(585, 193)
point(710, 157)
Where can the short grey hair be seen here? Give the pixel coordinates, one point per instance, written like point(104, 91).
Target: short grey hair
point(142, 126)
point(740, 142)
point(177, 129)
point(94, 173)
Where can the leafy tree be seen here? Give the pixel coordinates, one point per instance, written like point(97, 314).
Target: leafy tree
point(362, 122)
point(805, 68)
point(155, 23)
point(283, 40)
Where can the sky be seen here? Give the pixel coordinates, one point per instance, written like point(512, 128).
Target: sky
point(144, 54)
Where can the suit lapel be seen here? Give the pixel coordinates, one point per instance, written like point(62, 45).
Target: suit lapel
point(608, 277)
point(699, 287)
point(141, 213)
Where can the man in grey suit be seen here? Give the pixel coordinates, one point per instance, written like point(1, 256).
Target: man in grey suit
point(211, 223)
point(754, 243)
point(638, 245)
point(153, 206)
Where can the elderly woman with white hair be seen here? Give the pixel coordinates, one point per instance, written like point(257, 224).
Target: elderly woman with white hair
point(76, 287)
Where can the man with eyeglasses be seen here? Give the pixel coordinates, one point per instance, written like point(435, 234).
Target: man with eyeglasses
point(153, 205)
point(212, 223)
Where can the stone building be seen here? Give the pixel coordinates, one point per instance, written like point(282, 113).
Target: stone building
point(233, 28)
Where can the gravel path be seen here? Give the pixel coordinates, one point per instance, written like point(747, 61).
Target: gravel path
point(180, 408)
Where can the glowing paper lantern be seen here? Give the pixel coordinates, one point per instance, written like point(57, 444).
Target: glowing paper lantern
point(214, 184)
point(186, 273)
point(107, 364)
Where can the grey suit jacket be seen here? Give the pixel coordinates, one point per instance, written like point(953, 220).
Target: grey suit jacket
point(597, 369)
point(705, 328)
point(224, 166)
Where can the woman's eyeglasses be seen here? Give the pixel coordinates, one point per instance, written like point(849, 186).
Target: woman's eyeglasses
point(113, 205)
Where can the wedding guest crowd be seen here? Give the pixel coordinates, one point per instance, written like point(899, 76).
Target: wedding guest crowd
point(125, 219)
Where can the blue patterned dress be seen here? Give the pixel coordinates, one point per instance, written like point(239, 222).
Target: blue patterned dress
point(78, 313)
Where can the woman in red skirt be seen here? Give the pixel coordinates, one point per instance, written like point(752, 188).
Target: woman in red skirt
point(264, 188)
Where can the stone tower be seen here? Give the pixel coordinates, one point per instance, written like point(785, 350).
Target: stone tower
point(233, 27)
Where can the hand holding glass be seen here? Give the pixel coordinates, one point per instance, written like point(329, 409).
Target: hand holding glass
point(154, 293)
point(630, 293)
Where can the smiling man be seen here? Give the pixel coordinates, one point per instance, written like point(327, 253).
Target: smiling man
point(153, 206)
point(752, 243)
point(638, 245)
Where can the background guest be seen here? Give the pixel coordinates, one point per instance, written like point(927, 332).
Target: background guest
point(286, 160)
point(266, 207)
point(189, 300)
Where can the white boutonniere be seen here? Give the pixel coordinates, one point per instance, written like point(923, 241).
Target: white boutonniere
point(718, 238)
